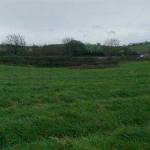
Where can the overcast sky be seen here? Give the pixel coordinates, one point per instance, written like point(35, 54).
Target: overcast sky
point(49, 21)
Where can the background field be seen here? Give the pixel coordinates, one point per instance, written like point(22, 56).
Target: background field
point(143, 48)
point(73, 109)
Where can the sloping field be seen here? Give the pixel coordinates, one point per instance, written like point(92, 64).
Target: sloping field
point(145, 48)
point(73, 109)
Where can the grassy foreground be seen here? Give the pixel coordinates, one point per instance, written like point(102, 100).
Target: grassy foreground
point(73, 109)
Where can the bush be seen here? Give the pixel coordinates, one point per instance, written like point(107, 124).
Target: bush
point(75, 48)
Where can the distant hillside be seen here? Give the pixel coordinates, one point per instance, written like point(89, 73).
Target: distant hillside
point(141, 48)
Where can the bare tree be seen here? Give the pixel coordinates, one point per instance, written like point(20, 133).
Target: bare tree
point(67, 40)
point(112, 42)
point(15, 41)
point(111, 47)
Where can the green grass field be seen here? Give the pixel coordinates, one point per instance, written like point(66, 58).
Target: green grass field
point(73, 109)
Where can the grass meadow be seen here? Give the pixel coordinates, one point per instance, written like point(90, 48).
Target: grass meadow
point(75, 109)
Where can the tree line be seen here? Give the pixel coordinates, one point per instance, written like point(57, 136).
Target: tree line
point(15, 45)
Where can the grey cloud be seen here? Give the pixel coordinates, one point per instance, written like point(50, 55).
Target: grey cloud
point(95, 26)
point(111, 32)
